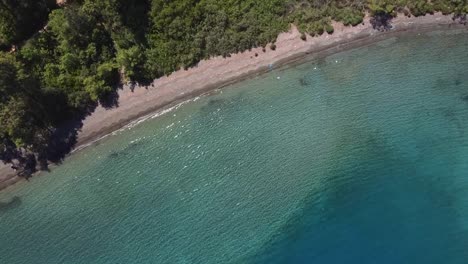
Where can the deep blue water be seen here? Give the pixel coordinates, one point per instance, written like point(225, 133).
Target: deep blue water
point(359, 157)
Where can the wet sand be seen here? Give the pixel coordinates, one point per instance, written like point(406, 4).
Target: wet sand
point(136, 102)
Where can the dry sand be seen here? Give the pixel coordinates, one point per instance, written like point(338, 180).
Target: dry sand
point(217, 72)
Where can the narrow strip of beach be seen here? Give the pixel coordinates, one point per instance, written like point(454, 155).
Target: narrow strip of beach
point(136, 102)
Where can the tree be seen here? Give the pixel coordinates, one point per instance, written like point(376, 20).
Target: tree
point(62, 68)
point(19, 20)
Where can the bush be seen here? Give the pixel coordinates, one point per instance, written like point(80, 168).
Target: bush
point(303, 36)
point(329, 29)
point(60, 71)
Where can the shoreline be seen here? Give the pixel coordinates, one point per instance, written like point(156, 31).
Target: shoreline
point(215, 73)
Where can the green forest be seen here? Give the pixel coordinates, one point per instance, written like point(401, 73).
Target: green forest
point(58, 62)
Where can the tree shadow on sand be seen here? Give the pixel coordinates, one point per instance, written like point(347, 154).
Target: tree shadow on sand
point(382, 21)
point(111, 99)
point(59, 141)
point(65, 137)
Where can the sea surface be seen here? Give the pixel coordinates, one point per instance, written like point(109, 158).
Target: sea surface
point(358, 157)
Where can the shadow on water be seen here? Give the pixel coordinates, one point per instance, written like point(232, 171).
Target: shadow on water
point(374, 203)
point(15, 202)
point(129, 150)
point(219, 102)
point(464, 98)
point(304, 81)
point(451, 82)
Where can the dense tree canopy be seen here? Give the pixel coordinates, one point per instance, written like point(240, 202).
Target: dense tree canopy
point(56, 63)
point(20, 19)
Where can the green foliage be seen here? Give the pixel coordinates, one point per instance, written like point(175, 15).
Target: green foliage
point(20, 119)
point(458, 7)
point(329, 29)
point(311, 20)
point(15, 122)
point(7, 27)
point(381, 7)
point(314, 16)
point(65, 65)
point(131, 61)
point(349, 16)
point(20, 19)
point(84, 57)
point(420, 8)
point(186, 31)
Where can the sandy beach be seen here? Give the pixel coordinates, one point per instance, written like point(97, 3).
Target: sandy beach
point(218, 72)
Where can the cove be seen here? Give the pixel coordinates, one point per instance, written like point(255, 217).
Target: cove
point(358, 157)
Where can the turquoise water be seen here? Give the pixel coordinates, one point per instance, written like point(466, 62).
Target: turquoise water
point(359, 157)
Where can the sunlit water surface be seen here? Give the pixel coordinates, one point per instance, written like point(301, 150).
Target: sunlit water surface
point(359, 157)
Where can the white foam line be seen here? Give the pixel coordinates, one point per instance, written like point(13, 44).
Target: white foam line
point(137, 122)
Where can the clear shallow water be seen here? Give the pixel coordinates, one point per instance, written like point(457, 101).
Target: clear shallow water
point(360, 157)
